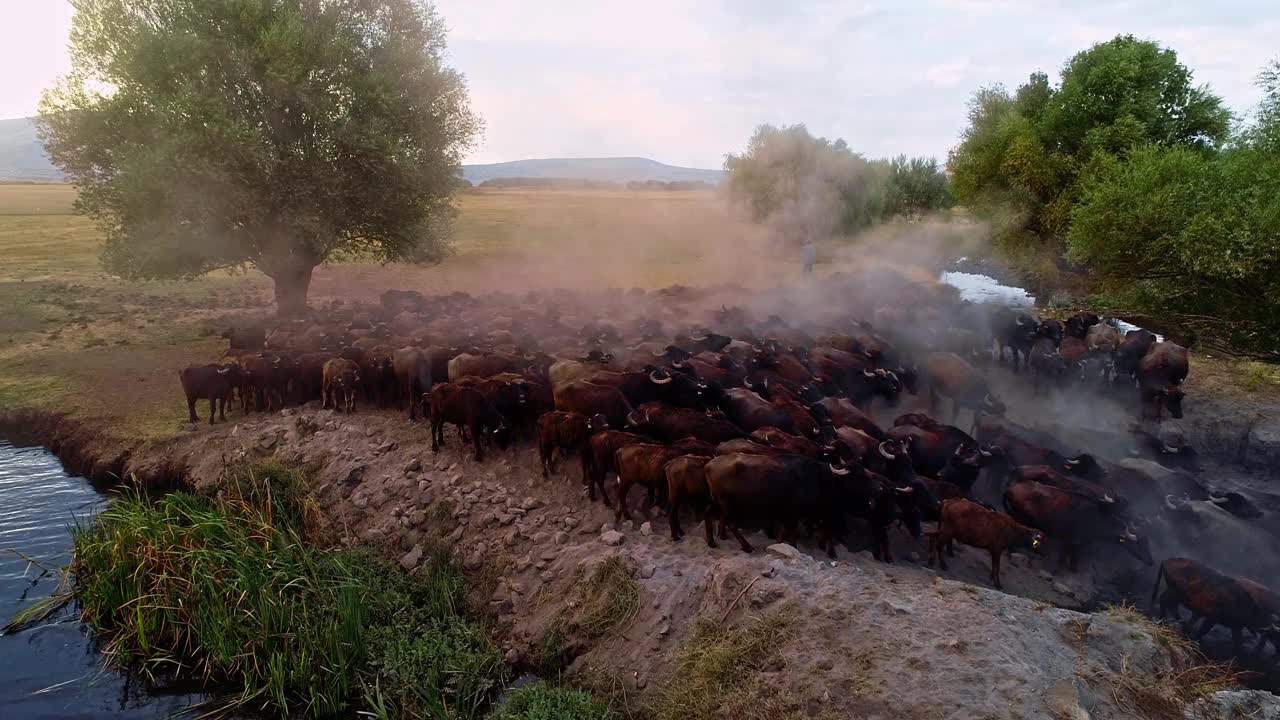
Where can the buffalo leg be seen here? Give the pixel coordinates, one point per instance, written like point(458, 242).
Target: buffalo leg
point(191, 409)
point(707, 520)
point(742, 541)
point(222, 408)
point(624, 488)
point(995, 568)
point(673, 517)
point(213, 408)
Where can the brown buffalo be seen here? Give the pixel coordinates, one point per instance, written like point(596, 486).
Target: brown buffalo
point(590, 399)
point(214, 383)
point(643, 464)
point(340, 379)
point(562, 433)
point(1160, 375)
point(1218, 598)
point(598, 462)
point(1073, 519)
point(412, 368)
point(974, 525)
point(468, 408)
point(687, 484)
point(950, 376)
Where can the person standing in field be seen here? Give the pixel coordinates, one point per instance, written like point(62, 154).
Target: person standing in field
point(808, 253)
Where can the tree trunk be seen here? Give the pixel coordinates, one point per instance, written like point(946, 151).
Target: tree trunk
point(292, 280)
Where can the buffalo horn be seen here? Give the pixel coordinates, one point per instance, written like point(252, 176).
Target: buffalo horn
point(887, 455)
point(657, 380)
point(838, 470)
point(868, 373)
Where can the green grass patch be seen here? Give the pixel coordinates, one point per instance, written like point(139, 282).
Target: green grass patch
point(225, 591)
point(542, 701)
point(716, 674)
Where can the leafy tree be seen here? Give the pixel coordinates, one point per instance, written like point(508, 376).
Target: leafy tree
point(277, 133)
point(1025, 152)
point(1181, 233)
point(916, 185)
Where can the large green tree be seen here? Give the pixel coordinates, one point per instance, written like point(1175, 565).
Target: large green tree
point(1026, 151)
point(274, 133)
point(1195, 236)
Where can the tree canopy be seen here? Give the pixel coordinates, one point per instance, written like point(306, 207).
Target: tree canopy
point(276, 133)
point(1026, 151)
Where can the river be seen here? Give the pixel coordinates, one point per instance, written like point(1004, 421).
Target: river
point(53, 670)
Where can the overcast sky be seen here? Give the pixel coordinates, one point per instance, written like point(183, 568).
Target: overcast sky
point(685, 81)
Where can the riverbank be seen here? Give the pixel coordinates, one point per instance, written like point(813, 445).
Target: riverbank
point(857, 638)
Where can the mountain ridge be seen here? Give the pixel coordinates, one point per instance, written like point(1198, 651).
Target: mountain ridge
point(23, 159)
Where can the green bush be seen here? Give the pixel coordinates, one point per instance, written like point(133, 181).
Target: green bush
point(540, 701)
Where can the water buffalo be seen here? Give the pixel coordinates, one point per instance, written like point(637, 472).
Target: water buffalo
point(974, 525)
point(1160, 375)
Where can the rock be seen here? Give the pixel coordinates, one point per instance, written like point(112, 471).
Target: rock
point(666, 628)
point(361, 502)
point(512, 657)
point(646, 528)
point(1046, 575)
point(267, 442)
point(606, 527)
point(370, 432)
point(825, 664)
point(547, 576)
point(627, 526)
point(413, 465)
point(412, 558)
point(423, 485)
point(1062, 589)
point(1252, 704)
point(530, 503)
point(355, 475)
point(647, 570)
point(504, 519)
point(1063, 702)
point(571, 522)
point(549, 554)
point(784, 550)
point(561, 537)
point(611, 537)
point(474, 561)
point(456, 535)
point(511, 538)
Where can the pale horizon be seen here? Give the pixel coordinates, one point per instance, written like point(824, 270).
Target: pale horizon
point(685, 84)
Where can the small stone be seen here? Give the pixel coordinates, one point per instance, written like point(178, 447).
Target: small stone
point(627, 526)
point(825, 664)
point(474, 561)
point(541, 538)
point(361, 502)
point(1046, 575)
point(413, 465)
point(897, 608)
point(561, 537)
point(606, 527)
point(677, 573)
point(511, 538)
point(666, 628)
point(646, 528)
point(423, 485)
point(571, 522)
point(1062, 589)
point(784, 550)
point(370, 432)
point(504, 519)
point(611, 537)
point(512, 657)
point(549, 554)
point(530, 503)
point(547, 576)
point(647, 570)
point(456, 535)
point(412, 558)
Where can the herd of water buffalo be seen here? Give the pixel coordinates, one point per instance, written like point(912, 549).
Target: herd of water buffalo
point(759, 415)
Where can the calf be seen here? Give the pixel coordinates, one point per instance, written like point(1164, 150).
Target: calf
point(773, 437)
point(560, 431)
point(214, 383)
point(598, 461)
point(642, 464)
point(341, 377)
point(687, 483)
point(1073, 519)
point(468, 408)
point(976, 526)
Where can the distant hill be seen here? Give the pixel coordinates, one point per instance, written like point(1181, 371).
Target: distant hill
point(617, 170)
point(22, 158)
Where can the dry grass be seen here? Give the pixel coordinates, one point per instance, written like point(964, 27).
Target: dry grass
point(717, 675)
point(610, 598)
point(1162, 695)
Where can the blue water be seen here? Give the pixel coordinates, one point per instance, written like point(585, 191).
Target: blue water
point(53, 670)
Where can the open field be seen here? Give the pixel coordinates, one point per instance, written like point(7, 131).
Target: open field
point(74, 340)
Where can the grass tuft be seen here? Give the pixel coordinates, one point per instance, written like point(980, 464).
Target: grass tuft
point(1164, 694)
point(717, 671)
point(543, 701)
